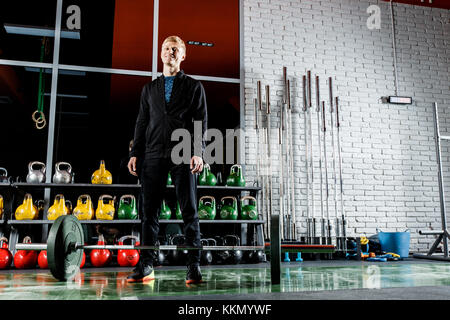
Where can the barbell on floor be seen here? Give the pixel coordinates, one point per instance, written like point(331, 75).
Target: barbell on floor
point(78, 246)
point(65, 245)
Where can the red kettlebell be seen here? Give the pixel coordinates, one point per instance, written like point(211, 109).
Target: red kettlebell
point(83, 260)
point(127, 258)
point(42, 259)
point(6, 257)
point(25, 259)
point(100, 257)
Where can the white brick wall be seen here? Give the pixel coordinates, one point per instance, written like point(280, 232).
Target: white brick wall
point(388, 151)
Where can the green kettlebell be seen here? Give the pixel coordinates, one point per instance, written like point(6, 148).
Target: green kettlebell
point(229, 212)
point(211, 178)
point(236, 178)
point(207, 178)
point(165, 213)
point(207, 208)
point(127, 207)
point(178, 214)
point(169, 179)
point(249, 211)
point(231, 179)
point(202, 178)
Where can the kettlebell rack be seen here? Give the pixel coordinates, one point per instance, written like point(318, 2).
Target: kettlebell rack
point(5, 191)
point(250, 230)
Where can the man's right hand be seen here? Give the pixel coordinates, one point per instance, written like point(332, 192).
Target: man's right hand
point(132, 166)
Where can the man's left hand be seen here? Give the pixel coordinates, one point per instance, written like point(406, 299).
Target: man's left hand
point(196, 164)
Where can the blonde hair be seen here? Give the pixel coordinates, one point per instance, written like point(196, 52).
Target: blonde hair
point(176, 39)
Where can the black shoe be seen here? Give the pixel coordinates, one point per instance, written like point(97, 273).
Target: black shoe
point(142, 273)
point(194, 274)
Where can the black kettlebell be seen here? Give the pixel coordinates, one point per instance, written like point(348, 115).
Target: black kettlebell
point(221, 256)
point(161, 258)
point(170, 256)
point(212, 242)
point(259, 256)
point(255, 256)
point(178, 257)
point(235, 255)
point(206, 256)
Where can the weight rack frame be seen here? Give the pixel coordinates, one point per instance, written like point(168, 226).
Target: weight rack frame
point(443, 234)
point(13, 189)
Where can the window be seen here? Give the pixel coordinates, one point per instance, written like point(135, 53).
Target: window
point(105, 56)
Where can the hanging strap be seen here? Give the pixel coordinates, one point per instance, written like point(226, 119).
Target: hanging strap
point(40, 121)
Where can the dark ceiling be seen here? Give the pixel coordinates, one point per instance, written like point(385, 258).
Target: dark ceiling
point(443, 4)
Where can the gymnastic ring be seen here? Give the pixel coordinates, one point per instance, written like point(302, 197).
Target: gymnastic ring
point(41, 116)
point(41, 125)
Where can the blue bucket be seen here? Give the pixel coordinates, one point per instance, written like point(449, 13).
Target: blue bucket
point(395, 242)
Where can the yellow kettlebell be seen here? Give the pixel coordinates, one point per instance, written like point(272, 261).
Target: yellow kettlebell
point(105, 211)
point(27, 210)
point(58, 208)
point(1, 206)
point(101, 176)
point(84, 209)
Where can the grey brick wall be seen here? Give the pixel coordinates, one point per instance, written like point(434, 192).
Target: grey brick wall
point(388, 151)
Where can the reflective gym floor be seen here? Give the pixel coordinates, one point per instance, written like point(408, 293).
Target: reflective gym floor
point(328, 279)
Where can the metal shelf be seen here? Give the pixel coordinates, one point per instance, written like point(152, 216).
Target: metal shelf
point(135, 221)
point(20, 187)
point(218, 221)
point(120, 186)
point(76, 185)
point(81, 221)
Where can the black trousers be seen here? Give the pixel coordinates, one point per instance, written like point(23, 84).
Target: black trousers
point(153, 180)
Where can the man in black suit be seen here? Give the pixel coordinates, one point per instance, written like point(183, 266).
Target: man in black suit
point(172, 101)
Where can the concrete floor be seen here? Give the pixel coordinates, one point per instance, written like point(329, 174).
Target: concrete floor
point(415, 279)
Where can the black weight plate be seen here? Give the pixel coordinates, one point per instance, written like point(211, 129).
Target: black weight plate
point(63, 260)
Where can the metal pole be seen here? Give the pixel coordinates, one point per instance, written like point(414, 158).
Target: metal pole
point(52, 111)
point(81, 246)
point(264, 169)
point(281, 177)
point(262, 158)
point(285, 120)
point(285, 85)
point(259, 176)
point(338, 138)
point(283, 127)
point(267, 185)
point(269, 155)
point(305, 127)
point(328, 241)
point(311, 160)
point(322, 234)
point(440, 178)
point(338, 240)
point(275, 250)
point(292, 214)
point(394, 47)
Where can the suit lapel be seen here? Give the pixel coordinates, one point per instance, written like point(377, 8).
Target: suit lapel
point(161, 90)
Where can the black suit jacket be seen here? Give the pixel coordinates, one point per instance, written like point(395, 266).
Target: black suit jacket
point(157, 119)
